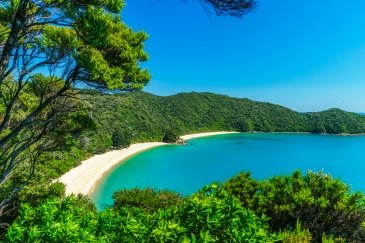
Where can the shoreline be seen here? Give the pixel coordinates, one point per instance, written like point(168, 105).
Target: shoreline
point(83, 178)
point(204, 134)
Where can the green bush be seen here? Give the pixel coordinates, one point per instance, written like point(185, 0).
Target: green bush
point(245, 125)
point(243, 187)
point(211, 215)
point(57, 189)
point(71, 219)
point(214, 215)
point(170, 137)
point(148, 200)
point(321, 203)
point(326, 209)
point(121, 138)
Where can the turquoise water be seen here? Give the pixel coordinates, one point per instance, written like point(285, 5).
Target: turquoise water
point(186, 168)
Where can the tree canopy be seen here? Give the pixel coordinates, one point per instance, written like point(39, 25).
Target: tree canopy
point(237, 8)
point(321, 203)
point(47, 48)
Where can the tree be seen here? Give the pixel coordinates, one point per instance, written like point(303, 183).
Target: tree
point(245, 125)
point(47, 48)
point(237, 8)
point(121, 138)
point(170, 136)
point(315, 202)
point(322, 205)
point(243, 187)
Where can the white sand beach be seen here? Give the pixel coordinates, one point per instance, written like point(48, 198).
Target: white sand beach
point(203, 134)
point(83, 178)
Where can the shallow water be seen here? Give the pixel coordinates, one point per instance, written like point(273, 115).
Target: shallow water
point(186, 168)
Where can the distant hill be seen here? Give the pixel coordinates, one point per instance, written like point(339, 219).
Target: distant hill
point(147, 117)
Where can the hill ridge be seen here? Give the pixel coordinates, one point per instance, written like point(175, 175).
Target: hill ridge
point(147, 117)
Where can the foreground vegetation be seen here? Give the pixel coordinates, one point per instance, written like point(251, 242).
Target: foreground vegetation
point(294, 208)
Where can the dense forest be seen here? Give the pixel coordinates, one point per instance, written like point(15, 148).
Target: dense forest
point(141, 116)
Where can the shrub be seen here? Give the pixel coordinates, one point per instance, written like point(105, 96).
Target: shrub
point(170, 137)
point(214, 215)
point(55, 220)
point(121, 138)
point(243, 187)
point(321, 203)
point(209, 215)
point(148, 200)
point(57, 189)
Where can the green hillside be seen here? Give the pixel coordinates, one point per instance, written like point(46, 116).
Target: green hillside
point(147, 117)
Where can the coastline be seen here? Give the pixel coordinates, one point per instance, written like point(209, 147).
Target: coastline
point(204, 134)
point(83, 178)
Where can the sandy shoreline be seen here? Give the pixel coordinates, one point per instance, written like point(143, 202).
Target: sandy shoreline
point(83, 178)
point(203, 134)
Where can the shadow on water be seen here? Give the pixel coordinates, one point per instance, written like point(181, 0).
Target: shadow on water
point(193, 143)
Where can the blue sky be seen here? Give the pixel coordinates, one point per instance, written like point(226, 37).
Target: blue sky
point(305, 55)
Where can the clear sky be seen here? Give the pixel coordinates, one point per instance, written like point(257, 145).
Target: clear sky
point(305, 55)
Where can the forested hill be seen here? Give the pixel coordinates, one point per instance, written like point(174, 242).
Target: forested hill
point(146, 117)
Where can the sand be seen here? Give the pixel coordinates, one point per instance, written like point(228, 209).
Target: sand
point(203, 134)
point(83, 178)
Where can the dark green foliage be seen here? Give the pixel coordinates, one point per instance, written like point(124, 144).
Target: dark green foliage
point(322, 204)
point(62, 43)
point(237, 8)
point(170, 137)
point(57, 189)
point(210, 215)
point(335, 121)
point(149, 116)
point(245, 125)
point(121, 138)
point(300, 207)
point(243, 187)
point(148, 200)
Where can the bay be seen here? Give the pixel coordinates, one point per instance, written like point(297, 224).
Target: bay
point(187, 168)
